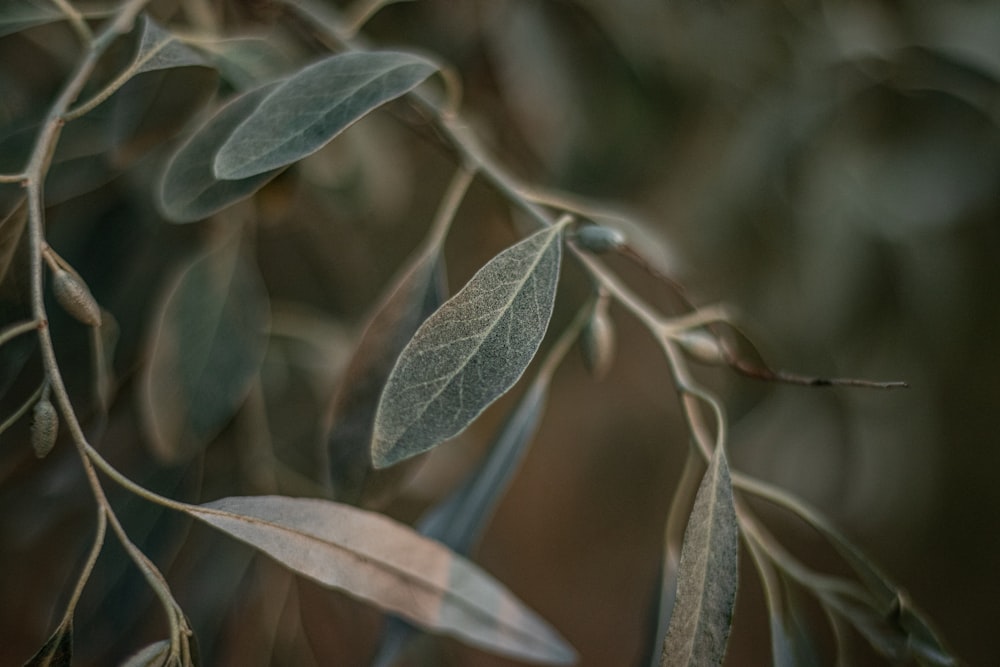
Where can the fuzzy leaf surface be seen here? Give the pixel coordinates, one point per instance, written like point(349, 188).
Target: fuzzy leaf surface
point(707, 575)
point(57, 651)
point(209, 341)
point(153, 655)
point(469, 352)
point(313, 106)
point(189, 190)
point(385, 563)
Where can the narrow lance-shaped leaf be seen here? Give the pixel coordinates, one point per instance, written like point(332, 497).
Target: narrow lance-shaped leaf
point(209, 341)
point(707, 575)
point(314, 105)
point(471, 351)
point(189, 190)
point(391, 566)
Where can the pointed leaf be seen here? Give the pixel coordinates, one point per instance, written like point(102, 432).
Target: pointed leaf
point(189, 190)
point(57, 651)
point(707, 574)
point(389, 565)
point(470, 352)
point(160, 49)
point(412, 298)
point(154, 655)
point(460, 521)
point(313, 106)
point(208, 344)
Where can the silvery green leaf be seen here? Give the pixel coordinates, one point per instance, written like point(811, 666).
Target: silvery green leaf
point(153, 655)
point(469, 352)
point(391, 566)
point(189, 190)
point(707, 575)
point(208, 343)
point(311, 107)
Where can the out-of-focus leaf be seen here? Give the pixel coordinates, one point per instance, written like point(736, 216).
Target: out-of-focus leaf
point(160, 49)
point(460, 521)
point(189, 190)
point(208, 343)
point(471, 351)
point(154, 655)
point(707, 574)
point(17, 15)
point(413, 297)
point(860, 613)
point(246, 62)
point(11, 228)
point(391, 566)
point(313, 106)
point(57, 651)
point(921, 639)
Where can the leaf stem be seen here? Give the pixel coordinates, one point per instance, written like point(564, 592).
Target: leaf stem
point(15, 330)
point(75, 19)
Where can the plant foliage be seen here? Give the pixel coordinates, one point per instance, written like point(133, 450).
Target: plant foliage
point(177, 112)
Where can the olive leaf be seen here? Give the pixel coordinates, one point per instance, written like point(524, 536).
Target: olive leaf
point(314, 105)
point(469, 352)
point(208, 343)
point(189, 190)
point(707, 575)
point(388, 564)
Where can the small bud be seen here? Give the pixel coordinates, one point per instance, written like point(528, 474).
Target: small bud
point(73, 295)
point(702, 346)
point(598, 239)
point(44, 427)
point(597, 341)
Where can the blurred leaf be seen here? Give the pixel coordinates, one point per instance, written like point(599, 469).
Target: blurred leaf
point(460, 521)
point(389, 565)
point(189, 190)
point(208, 343)
point(860, 613)
point(412, 298)
point(17, 15)
point(922, 640)
point(245, 62)
point(11, 228)
point(57, 651)
point(160, 49)
point(313, 106)
point(707, 575)
point(154, 655)
point(471, 351)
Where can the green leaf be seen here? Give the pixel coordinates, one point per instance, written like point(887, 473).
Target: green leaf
point(246, 62)
point(208, 343)
point(313, 106)
point(412, 298)
point(385, 563)
point(707, 574)
point(189, 190)
point(154, 655)
point(57, 651)
point(470, 352)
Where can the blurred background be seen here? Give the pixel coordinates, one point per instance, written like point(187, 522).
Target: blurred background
point(831, 170)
